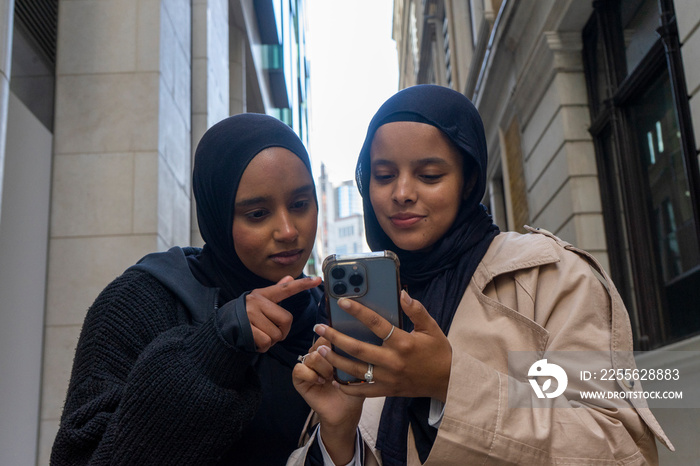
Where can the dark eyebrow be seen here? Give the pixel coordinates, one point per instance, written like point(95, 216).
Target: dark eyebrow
point(261, 199)
point(251, 201)
point(431, 160)
point(303, 189)
point(419, 162)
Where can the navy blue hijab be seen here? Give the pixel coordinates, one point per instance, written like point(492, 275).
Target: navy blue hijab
point(439, 277)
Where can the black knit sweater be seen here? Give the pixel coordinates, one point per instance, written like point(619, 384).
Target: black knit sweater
point(149, 386)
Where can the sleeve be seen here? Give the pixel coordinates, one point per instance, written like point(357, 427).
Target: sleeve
point(147, 388)
point(493, 412)
point(232, 319)
point(313, 452)
point(327, 461)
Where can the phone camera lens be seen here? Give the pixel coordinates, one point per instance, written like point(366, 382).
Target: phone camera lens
point(356, 279)
point(339, 288)
point(338, 273)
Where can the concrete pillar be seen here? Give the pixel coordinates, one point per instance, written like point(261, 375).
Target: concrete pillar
point(237, 70)
point(121, 171)
point(23, 248)
point(585, 227)
point(210, 75)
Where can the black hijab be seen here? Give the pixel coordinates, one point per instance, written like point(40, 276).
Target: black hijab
point(221, 157)
point(439, 277)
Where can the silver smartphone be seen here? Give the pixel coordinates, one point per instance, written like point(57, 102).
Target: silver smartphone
point(369, 278)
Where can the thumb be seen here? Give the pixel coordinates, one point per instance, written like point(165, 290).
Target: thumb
point(414, 310)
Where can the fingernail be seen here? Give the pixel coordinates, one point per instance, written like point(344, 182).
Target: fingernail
point(320, 380)
point(344, 303)
point(406, 298)
point(320, 329)
point(323, 350)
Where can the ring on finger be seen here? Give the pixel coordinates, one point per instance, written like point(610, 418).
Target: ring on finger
point(390, 333)
point(302, 358)
point(369, 375)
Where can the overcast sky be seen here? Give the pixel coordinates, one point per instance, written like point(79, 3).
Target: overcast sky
point(353, 71)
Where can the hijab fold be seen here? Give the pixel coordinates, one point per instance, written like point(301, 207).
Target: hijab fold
point(438, 277)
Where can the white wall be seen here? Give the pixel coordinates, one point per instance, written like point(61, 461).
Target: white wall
point(23, 249)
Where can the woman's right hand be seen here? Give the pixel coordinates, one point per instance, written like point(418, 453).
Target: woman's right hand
point(270, 322)
point(339, 413)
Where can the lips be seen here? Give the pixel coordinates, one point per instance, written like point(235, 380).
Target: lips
point(287, 257)
point(405, 219)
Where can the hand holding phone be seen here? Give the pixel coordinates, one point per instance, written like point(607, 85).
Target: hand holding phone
point(369, 278)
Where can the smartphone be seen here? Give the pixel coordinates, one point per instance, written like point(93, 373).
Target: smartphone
point(369, 278)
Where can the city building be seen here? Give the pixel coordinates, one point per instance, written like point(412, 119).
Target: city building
point(101, 107)
point(592, 120)
point(341, 223)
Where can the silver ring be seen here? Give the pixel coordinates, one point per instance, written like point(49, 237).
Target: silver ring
point(390, 332)
point(369, 375)
point(302, 358)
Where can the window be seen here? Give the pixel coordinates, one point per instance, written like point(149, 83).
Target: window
point(646, 154)
point(344, 232)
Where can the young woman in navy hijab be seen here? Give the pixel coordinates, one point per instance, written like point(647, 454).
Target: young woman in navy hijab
point(475, 297)
point(186, 358)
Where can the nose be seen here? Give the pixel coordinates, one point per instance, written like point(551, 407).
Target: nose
point(404, 191)
point(285, 229)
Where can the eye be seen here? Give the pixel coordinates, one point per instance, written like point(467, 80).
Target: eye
point(431, 178)
point(257, 214)
point(383, 177)
point(301, 204)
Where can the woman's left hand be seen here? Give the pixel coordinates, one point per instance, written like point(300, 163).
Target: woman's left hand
point(415, 364)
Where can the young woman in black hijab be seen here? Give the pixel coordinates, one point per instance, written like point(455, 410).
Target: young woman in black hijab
point(186, 358)
point(453, 396)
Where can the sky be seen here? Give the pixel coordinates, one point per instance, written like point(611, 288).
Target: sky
point(354, 69)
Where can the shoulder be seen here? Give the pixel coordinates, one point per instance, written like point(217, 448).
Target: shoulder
point(511, 251)
point(127, 315)
point(134, 303)
point(539, 258)
point(133, 287)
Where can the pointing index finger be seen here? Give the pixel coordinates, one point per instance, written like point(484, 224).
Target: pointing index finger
point(286, 288)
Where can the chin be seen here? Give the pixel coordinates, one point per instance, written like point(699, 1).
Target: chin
point(295, 271)
point(413, 246)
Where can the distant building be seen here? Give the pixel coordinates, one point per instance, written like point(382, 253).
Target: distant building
point(341, 223)
point(348, 200)
point(592, 120)
point(101, 107)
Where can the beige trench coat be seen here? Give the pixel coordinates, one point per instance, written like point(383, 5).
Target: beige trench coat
point(537, 295)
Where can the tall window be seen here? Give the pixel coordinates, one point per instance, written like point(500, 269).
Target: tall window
point(647, 163)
